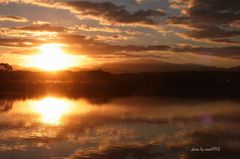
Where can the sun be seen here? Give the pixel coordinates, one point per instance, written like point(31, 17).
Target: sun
point(52, 58)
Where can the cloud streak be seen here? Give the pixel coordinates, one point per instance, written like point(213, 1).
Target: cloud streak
point(202, 17)
point(41, 28)
point(12, 18)
point(114, 13)
point(81, 44)
point(130, 29)
point(106, 12)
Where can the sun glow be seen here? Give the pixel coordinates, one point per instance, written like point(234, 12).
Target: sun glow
point(52, 58)
point(51, 109)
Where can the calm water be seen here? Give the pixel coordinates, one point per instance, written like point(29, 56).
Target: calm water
point(54, 127)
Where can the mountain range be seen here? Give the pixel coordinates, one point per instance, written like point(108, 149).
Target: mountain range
point(136, 66)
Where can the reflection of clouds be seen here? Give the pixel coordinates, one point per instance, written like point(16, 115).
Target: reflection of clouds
point(178, 146)
point(34, 134)
point(105, 136)
point(16, 147)
point(125, 127)
point(121, 152)
point(220, 135)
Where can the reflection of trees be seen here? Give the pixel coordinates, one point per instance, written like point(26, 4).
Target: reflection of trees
point(6, 105)
point(207, 85)
point(5, 67)
point(99, 100)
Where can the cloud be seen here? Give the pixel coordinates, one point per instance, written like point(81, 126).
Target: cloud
point(139, 1)
point(19, 42)
point(85, 45)
point(209, 36)
point(96, 29)
point(104, 29)
point(110, 13)
point(113, 38)
point(208, 19)
point(12, 18)
point(106, 12)
point(213, 32)
point(226, 52)
point(90, 46)
point(41, 27)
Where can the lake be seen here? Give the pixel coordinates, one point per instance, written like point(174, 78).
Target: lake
point(57, 127)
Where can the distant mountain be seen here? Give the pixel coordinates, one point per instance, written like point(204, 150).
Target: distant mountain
point(152, 66)
point(136, 66)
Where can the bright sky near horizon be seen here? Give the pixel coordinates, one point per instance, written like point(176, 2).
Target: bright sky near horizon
point(62, 34)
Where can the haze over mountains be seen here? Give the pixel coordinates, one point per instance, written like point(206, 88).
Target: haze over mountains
point(137, 66)
point(152, 66)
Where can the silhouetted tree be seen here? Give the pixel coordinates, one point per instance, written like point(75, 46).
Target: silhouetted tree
point(5, 67)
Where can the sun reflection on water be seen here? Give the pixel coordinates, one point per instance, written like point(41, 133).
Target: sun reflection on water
point(52, 109)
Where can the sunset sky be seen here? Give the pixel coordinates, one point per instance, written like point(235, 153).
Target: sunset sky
point(59, 34)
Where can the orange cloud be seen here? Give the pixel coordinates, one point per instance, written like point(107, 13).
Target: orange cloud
point(12, 18)
point(202, 19)
point(42, 27)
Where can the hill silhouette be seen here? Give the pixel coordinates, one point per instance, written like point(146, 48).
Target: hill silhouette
point(136, 66)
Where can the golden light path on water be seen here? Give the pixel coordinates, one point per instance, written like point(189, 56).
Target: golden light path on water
point(55, 110)
point(51, 110)
point(56, 126)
